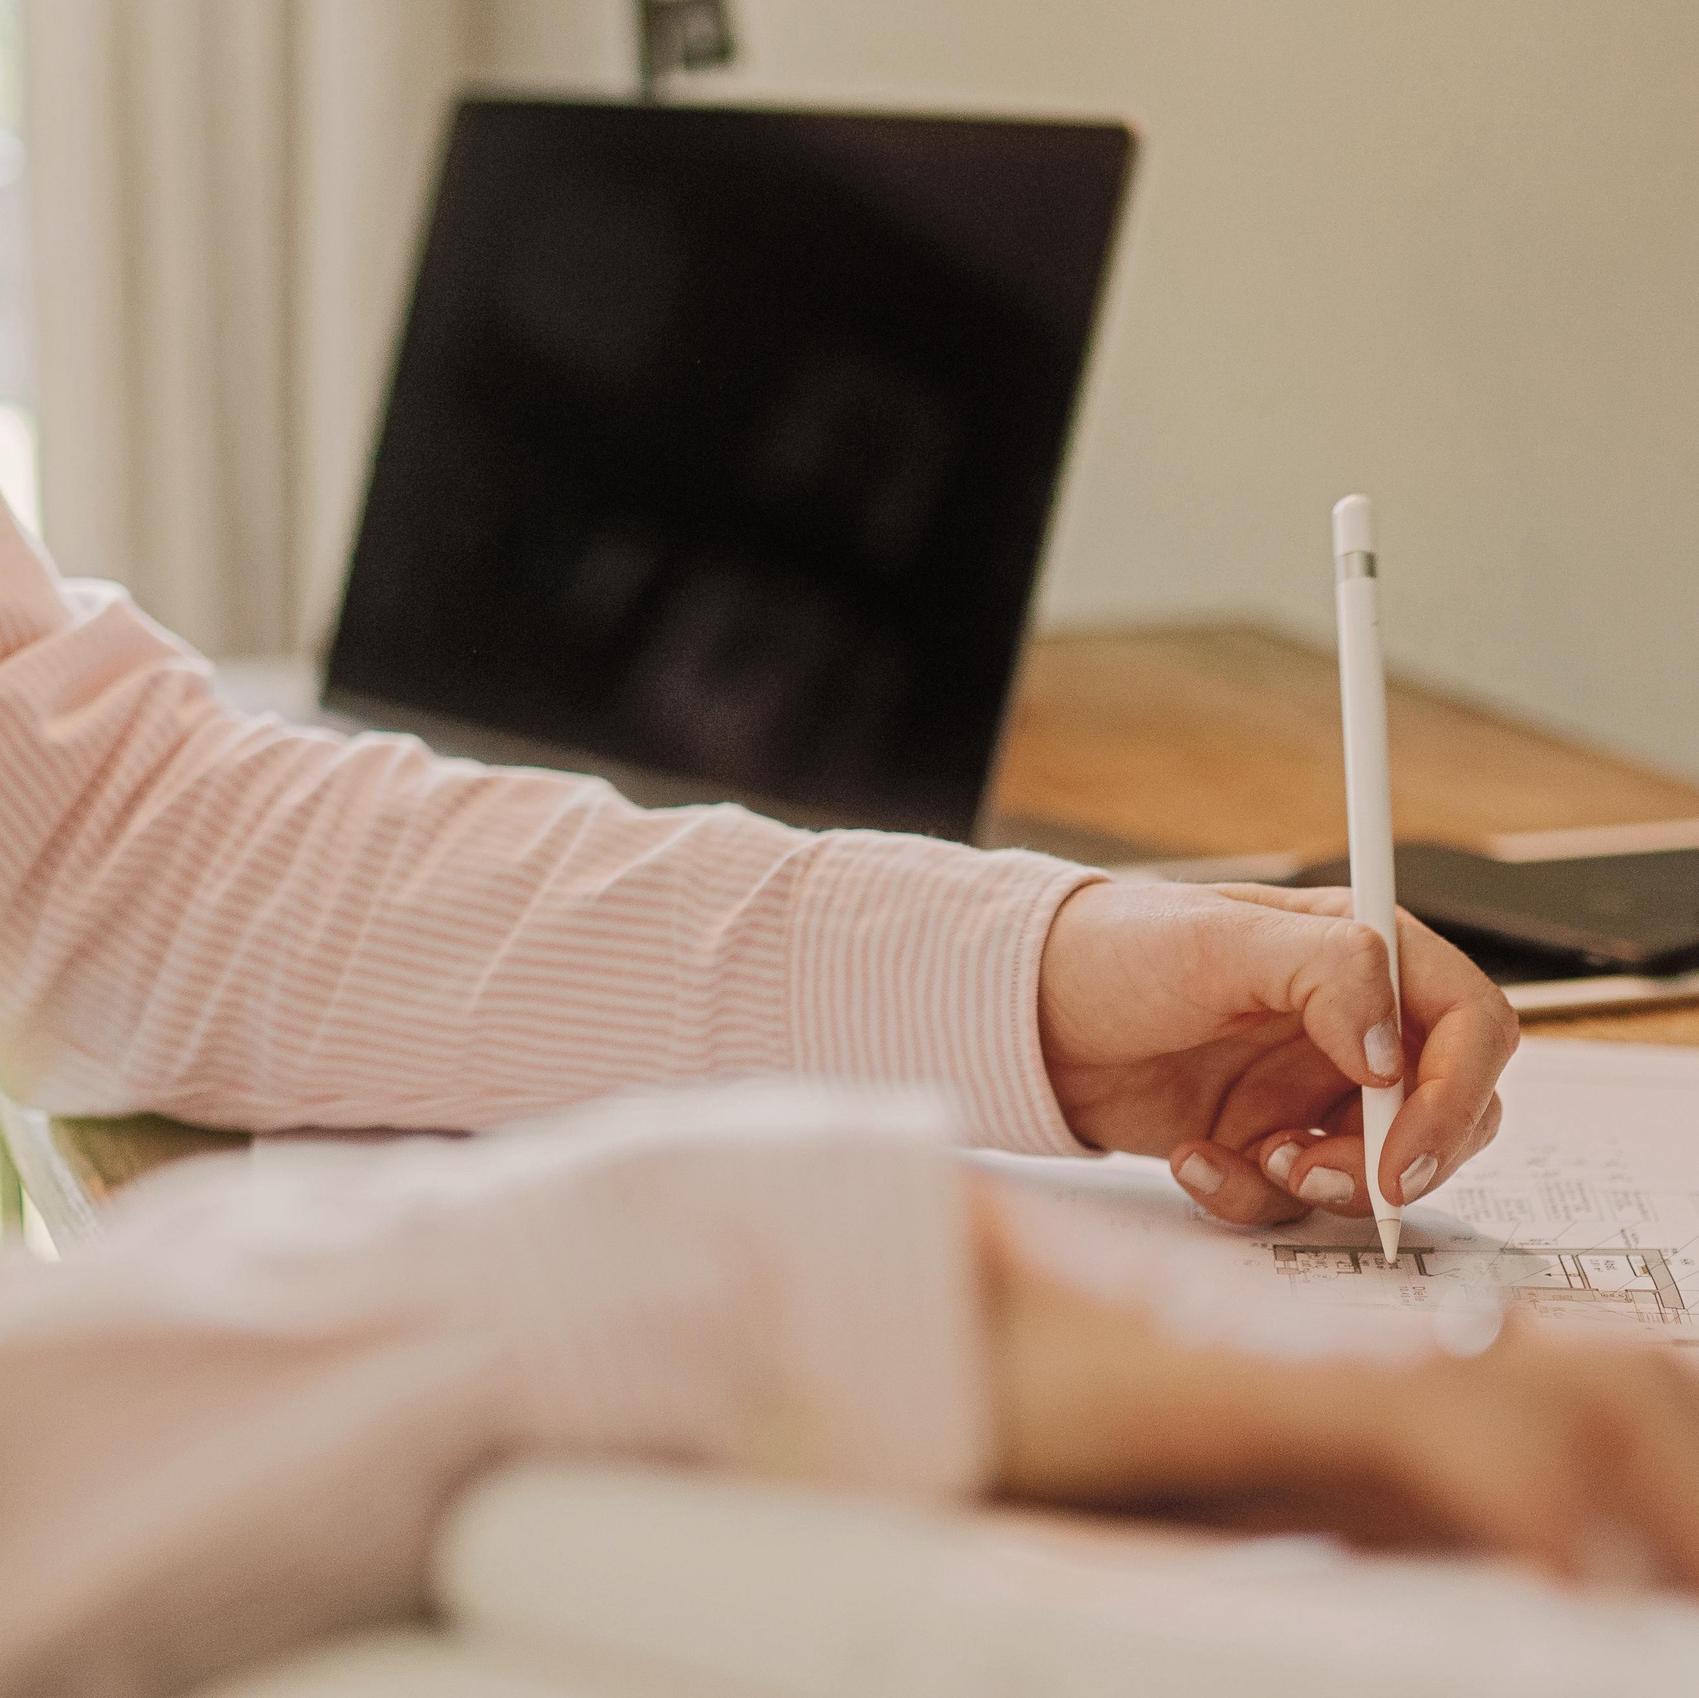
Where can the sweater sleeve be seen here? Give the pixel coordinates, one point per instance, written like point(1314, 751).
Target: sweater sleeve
point(233, 1424)
point(245, 924)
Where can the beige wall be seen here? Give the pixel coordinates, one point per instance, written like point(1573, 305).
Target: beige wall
point(1446, 252)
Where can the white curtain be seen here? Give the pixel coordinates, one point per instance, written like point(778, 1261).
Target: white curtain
point(225, 207)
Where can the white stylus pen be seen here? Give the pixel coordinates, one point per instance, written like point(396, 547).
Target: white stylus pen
point(1368, 802)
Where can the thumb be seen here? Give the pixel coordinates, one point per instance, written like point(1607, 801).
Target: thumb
point(1334, 973)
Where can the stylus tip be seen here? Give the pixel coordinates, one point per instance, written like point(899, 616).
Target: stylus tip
point(1389, 1239)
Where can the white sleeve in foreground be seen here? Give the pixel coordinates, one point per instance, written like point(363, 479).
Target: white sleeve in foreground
point(233, 1425)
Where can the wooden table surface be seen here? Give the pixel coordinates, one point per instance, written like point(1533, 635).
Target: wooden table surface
point(1212, 740)
point(1224, 740)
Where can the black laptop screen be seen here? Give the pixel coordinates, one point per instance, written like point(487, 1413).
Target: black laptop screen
point(722, 443)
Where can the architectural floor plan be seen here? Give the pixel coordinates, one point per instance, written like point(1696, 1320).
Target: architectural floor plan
point(1585, 1211)
point(1649, 1286)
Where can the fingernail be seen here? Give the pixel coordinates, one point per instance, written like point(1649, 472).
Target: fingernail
point(1382, 1051)
point(1417, 1177)
point(1327, 1185)
point(1198, 1175)
point(1280, 1163)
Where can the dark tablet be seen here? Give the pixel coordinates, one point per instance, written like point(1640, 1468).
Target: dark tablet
point(1530, 920)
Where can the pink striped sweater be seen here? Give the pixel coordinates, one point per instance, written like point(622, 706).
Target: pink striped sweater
point(244, 924)
point(233, 1423)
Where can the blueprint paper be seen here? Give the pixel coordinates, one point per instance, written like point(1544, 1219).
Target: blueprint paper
point(1584, 1212)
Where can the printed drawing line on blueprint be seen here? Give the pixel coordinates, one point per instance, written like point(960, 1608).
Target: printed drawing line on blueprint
point(1648, 1286)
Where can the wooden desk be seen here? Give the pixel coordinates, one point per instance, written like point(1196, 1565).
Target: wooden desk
point(1224, 740)
point(72, 1167)
point(1208, 740)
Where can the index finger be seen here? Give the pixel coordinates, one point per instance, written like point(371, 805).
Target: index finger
point(1436, 977)
point(1470, 1031)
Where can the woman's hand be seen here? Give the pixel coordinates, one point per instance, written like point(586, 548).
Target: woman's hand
point(1229, 1029)
point(1551, 1449)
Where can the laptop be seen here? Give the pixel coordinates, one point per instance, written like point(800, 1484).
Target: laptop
point(721, 446)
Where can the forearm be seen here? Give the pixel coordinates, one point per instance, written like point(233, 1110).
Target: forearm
point(243, 924)
point(235, 1422)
